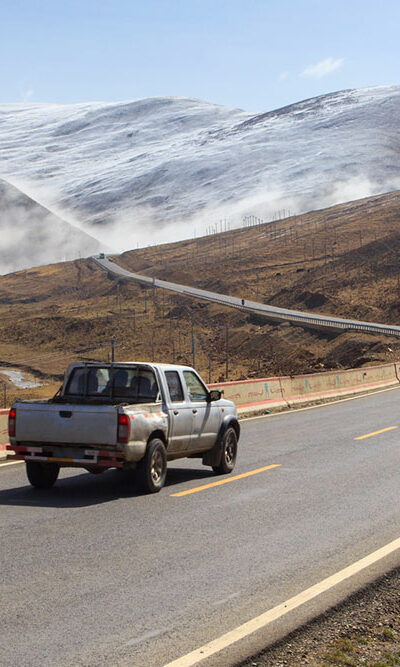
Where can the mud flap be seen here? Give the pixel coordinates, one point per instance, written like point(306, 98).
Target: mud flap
point(213, 456)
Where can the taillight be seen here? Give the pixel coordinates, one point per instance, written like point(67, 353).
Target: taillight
point(123, 428)
point(11, 422)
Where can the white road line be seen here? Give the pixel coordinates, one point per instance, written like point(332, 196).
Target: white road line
point(242, 631)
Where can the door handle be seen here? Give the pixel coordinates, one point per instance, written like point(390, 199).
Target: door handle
point(194, 411)
point(176, 412)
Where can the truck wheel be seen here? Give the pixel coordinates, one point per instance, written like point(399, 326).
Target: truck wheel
point(153, 468)
point(228, 453)
point(42, 475)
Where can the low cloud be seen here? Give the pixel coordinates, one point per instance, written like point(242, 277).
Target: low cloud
point(32, 236)
point(137, 227)
point(322, 68)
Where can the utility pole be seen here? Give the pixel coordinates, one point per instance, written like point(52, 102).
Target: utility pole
point(193, 348)
point(226, 352)
point(112, 350)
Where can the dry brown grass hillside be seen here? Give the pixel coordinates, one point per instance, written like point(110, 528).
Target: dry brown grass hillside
point(343, 260)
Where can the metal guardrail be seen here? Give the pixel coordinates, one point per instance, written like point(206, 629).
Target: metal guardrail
point(271, 313)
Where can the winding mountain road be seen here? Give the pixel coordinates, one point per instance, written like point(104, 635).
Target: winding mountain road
point(94, 573)
point(271, 313)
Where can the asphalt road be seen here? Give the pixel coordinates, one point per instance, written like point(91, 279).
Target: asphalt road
point(93, 573)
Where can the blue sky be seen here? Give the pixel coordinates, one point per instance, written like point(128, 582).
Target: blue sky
point(253, 54)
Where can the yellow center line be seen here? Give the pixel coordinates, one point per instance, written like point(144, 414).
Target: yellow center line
point(369, 435)
point(224, 481)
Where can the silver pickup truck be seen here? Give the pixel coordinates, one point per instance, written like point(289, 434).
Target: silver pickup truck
point(124, 415)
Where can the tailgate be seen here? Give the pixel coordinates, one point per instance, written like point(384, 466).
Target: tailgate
point(65, 423)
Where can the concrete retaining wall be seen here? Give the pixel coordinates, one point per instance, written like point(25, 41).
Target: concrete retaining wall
point(267, 391)
point(255, 395)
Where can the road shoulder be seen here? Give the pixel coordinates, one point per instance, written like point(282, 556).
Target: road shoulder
point(362, 630)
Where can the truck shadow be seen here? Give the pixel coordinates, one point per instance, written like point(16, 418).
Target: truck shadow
point(84, 489)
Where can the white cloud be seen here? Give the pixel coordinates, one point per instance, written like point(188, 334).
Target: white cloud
point(322, 68)
point(26, 94)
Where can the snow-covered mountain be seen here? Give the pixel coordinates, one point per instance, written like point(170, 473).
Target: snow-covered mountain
point(31, 236)
point(153, 169)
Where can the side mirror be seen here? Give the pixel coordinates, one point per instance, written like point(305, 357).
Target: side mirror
point(214, 395)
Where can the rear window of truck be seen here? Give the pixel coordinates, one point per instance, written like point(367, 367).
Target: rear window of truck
point(136, 385)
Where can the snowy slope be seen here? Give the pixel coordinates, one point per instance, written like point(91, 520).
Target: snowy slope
point(32, 236)
point(155, 168)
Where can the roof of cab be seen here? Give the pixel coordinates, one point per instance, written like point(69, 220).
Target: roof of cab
point(130, 363)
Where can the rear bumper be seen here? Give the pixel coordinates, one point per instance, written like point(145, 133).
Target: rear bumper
point(68, 457)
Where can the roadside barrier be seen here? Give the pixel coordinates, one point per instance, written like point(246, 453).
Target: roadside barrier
point(279, 392)
point(3, 433)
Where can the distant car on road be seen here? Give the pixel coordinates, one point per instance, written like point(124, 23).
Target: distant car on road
point(125, 415)
point(101, 255)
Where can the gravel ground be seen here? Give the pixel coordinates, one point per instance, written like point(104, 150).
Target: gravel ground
point(363, 630)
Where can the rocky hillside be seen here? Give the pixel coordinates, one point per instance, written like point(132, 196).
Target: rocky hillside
point(329, 261)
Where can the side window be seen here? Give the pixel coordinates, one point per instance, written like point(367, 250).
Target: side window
point(174, 386)
point(196, 390)
point(76, 384)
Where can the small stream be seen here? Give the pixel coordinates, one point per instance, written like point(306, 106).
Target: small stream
point(20, 381)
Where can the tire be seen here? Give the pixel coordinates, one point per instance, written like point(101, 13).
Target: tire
point(228, 452)
point(95, 470)
point(42, 475)
point(153, 467)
